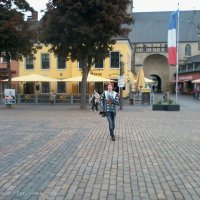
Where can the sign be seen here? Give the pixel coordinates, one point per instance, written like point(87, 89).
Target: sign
point(121, 81)
point(10, 96)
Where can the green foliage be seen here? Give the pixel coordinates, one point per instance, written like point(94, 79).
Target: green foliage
point(15, 33)
point(170, 101)
point(159, 102)
point(80, 29)
point(163, 102)
point(84, 30)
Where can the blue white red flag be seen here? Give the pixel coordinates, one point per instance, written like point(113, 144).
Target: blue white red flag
point(172, 39)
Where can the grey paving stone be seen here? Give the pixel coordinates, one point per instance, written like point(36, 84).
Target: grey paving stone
point(67, 153)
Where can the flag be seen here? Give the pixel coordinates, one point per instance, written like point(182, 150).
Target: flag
point(172, 41)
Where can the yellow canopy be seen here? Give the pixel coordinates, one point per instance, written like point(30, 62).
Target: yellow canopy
point(33, 78)
point(140, 82)
point(146, 80)
point(90, 78)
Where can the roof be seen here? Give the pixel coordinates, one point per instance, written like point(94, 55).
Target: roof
point(152, 27)
point(193, 59)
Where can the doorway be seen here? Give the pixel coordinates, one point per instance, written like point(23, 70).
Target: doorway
point(157, 83)
point(99, 87)
point(29, 88)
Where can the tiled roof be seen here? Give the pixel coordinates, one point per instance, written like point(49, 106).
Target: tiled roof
point(193, 59)
point(153, 26)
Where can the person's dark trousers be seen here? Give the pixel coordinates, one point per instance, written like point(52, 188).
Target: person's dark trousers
point(111, 121)
point(94, 105)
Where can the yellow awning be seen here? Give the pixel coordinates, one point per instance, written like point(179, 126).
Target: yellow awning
point(33, 78)
point(90, 78)
point(146, 80)
point(140, 82)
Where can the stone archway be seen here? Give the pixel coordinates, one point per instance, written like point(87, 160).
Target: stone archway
point(156, 65)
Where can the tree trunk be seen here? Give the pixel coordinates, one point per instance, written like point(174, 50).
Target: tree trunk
point(85, 70)
point(8, 57)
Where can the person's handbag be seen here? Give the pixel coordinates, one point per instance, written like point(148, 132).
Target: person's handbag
point(102, 113)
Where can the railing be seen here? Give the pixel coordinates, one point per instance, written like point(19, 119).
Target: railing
point(182, 70)
point(143, 98)
point(45, 99)
point(151, 49)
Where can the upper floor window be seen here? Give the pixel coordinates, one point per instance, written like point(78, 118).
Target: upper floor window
point(3, 60)
point(144, 47)
point(61, 62)
point(166, 47)
point(199, 45)
point(29, 62)
point(114, 59)
point(187, 50)
point(45, 61)
point(45, 87)
point(61, 87)
point(80, 63)
point(79, 87)
point(99, 61)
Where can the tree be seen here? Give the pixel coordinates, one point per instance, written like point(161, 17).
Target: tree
point(15, 33)
point(84, 29)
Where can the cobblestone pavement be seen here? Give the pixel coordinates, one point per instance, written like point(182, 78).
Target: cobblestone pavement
point(60, 152)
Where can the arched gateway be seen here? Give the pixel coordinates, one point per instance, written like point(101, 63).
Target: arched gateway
point(156, 68)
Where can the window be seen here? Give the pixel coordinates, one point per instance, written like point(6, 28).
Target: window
point(199, 45)
point(61, 62)
point(29, 62)
point(99, 87)
point(187, 50)
point(80, 63)
point(144, 47)
point(99, 61)
point(166, 47)
point(45, 61)
point(114, 60)
point(3, 60)
point(61, 87)
point(45, 87)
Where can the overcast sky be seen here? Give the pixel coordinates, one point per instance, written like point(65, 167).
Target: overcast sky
point(140, 5)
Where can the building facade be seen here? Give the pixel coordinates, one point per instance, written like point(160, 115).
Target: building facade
point(47, 64)
point(4, 72)
point(149, 41)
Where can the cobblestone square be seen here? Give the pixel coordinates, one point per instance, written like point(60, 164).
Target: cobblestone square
point(60, 152)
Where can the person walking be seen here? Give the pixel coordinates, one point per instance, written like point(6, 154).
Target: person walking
point(52, 97)
point(95, 100)
point(108, 100)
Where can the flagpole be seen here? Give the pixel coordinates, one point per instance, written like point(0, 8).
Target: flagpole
point(177, 56)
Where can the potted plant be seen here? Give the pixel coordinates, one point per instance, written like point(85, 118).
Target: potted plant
point(167, 105)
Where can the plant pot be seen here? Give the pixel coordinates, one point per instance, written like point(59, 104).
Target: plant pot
point(168, 107)
point(157, 107)
point(173, 107)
